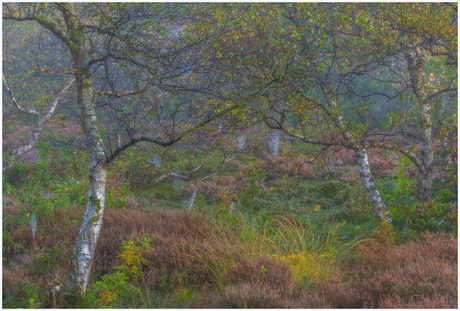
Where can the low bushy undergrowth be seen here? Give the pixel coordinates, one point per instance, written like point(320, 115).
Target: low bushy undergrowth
point(262, 296)
point(265, 283)
point(263, 270)
point(414, 274)
point(192, 261)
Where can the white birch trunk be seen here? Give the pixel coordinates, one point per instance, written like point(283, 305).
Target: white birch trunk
point(85, 246)
point(273, 143)
point(371, 189)
point(424, 182)
point(363, 162)
point(415, 61)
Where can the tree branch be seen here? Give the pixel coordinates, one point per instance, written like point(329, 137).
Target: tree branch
point(189, 177)
point(19, 107)
point(46, 24)
point(385, 145)
point(125, 93)
point(442, 91)
point(37, 130)
point(171, 141)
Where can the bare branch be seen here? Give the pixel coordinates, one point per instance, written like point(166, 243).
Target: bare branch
point(189, 177)
point(37, 130)
point(172, 174)
point(125, 93)
point(19, 107)
point(442, 91)
point(204, 159)
point(56, 101)
point(394, 133)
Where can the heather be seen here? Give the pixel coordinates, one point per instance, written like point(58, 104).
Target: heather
point(254, 237)
point(229, 155)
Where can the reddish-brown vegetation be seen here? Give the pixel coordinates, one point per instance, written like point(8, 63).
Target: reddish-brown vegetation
point(410, 275)
point(263, 270)
point(185, 248)
point(190, 251)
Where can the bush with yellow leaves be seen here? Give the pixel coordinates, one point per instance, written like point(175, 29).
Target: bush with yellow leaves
point(114, 290)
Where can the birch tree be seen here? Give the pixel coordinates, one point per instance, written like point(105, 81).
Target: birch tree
point(314, 70)
point(27, 97)
point(364, 41)
point(137, 49)
point(419, 33)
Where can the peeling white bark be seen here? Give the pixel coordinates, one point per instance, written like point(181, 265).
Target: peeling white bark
point(273, 143)
point(371, 189)
point(240, 141)
point(85, 246)
point(86, 243)
point(415, 60)
point(192, 200)
point(363, 162)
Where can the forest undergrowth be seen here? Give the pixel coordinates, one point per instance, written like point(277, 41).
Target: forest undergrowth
point(264, 233)
point(229, 155)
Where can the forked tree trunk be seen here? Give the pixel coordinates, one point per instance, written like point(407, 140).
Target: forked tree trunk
point(371, 189)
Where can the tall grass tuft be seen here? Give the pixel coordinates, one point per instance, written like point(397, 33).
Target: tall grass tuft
point(310, 255)
point(313, 254)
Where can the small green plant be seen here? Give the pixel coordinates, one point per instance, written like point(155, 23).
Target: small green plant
point(407, 213)
point(226, 211)
point(114, 290)
point(6, 188)
point(32, 304)
point(329, 256)
point(32, 292)
point(263, 270)
point(252, 189)
point(383, 234)
point(328, 189)
point(183, 296)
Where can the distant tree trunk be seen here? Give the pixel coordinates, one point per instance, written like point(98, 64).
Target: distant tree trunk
point(8, 162)
point(424, 181)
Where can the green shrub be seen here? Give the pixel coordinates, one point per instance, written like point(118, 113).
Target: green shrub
point(328, 189)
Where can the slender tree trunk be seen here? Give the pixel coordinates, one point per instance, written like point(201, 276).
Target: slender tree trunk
point(415, 61)
point(371, 189)
point(363, 162)
point(85, 246)
point(424, 182)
